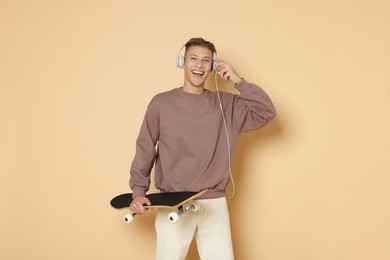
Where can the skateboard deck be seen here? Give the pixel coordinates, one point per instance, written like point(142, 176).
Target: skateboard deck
point(179, 202)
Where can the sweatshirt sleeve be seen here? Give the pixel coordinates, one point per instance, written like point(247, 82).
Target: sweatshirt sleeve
point(145, 154)
point(253, 108)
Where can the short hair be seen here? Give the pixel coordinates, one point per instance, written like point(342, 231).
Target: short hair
point(200, 42)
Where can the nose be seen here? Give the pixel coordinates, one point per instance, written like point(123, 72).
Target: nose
point(199, 63)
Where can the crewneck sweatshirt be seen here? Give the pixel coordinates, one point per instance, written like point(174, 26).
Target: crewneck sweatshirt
point(183, 136)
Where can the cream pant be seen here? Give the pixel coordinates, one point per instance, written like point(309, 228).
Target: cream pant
point(210, 226)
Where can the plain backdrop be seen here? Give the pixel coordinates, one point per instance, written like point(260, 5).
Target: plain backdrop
point(75, 80)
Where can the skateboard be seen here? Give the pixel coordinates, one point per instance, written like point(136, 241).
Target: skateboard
point(179, 202)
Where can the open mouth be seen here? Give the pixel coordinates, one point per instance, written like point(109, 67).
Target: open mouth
point(197, 74)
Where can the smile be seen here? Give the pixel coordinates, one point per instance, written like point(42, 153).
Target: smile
point(198, 73)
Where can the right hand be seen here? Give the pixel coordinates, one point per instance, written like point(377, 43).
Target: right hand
point(137, 205)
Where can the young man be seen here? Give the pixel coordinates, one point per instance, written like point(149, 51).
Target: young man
point(189, 131)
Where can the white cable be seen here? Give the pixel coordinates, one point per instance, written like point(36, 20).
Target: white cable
point(227, 136)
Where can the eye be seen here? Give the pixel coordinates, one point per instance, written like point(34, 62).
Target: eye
point(207, 61)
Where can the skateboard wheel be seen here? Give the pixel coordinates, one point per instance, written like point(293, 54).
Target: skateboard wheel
point(173, 217)
point(195, 206)
point(128, 218)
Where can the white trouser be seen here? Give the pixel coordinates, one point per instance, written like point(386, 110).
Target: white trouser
point(211, 228)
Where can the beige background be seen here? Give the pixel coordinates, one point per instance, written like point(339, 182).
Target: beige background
point(75, 79)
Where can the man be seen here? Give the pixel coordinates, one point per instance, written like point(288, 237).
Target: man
point(191, 135)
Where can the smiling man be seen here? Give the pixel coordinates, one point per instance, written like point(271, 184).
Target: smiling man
point(185, 136)
point(197, 67)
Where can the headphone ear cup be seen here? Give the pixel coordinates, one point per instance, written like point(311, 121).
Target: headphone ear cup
point(180, 61)
point(214, 68)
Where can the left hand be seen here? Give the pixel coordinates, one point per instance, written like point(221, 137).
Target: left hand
point(227, 72)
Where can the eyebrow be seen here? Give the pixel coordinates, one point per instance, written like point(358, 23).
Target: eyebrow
point(194, 54)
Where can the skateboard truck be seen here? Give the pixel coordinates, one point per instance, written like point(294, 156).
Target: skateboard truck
point(189, 206)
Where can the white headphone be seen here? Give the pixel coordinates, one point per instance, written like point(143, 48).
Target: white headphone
point(180, 59)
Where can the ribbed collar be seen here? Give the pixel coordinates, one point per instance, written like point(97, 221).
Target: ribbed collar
point(182, 93)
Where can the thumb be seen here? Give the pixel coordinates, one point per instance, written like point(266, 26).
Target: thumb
point(147, 201)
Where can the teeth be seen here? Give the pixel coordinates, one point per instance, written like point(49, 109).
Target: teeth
point(198, 72)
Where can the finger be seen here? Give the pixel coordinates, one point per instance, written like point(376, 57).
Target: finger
point(136, 210)
point(220, 64)
point(140, 207)
point(225, 74)
point(134, 207)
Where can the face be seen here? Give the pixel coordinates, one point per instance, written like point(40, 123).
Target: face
point(197, 66)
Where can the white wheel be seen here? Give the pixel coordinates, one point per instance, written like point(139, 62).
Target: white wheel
point(128, 218)
point(195, 206)
point(173, 217)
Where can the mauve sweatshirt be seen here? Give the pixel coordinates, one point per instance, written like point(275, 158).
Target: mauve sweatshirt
point(184, 138)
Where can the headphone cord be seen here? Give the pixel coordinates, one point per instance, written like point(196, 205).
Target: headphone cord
point(227, 137)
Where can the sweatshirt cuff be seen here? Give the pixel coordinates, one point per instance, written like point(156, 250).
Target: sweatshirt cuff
point(243, 82)
point(138, 191)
